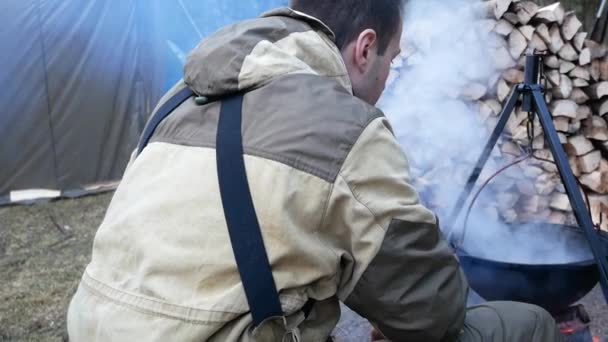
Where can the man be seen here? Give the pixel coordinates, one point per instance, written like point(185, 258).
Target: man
point(330, 187)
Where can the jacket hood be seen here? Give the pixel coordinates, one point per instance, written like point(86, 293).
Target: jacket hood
point(251, 53)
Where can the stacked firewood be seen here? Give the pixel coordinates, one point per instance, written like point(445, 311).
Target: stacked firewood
point(576, 79)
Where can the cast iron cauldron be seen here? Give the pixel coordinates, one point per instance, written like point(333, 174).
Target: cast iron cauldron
point(553, 286)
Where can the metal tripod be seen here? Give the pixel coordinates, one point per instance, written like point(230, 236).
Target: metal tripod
point(533, 101)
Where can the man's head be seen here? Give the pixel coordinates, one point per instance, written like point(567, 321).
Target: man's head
point(367, 32)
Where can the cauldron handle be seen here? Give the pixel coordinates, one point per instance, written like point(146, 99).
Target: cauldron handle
point(460, 242)
point(528, 155)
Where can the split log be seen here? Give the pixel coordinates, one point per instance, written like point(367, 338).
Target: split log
point(578, 145)
point(579, 96)
point(594, 70)
point(554, 77)
point(604, 69)
point(595, 132)
point(552, 61)
point(560, 202)
point(533, 172)
point(503, 90)
point(599, 214)
point(590, 161)
point(593, 181)
point(511, 17)
point(484, 110)
point(574, 165)
point(487, 25)
point(597, 50)
point(501, 7)
point(517, 44)
point(564, 89)
point(503, 27)
point(599, 210)
point(580, 72)
point(597, 181)
point(509, 216)
point(557, 218)
point(528, 31)
point(574, 127)
point(506, 200)
point(525, 11)
point(564, 108)
point(556, 43)
point(551, 14)
point(596, 122)
point(579, 41)
point(525, 187)
point(585, 57)
point(543, 32)
point(493, 8)
point(493, 81)
point(561, 123)
point(545, 184)
point(474, 91)
point(513, 76)
point(537, 44)
point(485, 8)
point(494, 105)
point(521, 62)
point(568, 53)
point(583, 112)
point(548, 167)
point(603, 108)
point(503, 59)
point(570, 26)
point(520, 135)
point(580, 83)
point(598, 90)
point(535, 204)
point(565, 66)
point(511, 148)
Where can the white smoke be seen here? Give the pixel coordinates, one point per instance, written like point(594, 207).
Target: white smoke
point(445, 49)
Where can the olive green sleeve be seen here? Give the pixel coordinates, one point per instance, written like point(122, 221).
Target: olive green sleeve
point(413, 290)
point(411, 287)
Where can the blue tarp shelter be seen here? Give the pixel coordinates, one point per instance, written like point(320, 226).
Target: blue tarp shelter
point(79, 79)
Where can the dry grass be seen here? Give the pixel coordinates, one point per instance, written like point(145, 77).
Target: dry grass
point(43, 252)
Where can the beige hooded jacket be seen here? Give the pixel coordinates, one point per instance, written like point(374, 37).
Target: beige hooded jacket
point(331, 189)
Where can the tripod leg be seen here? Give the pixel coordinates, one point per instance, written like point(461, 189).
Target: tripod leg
point(576, 199)
point(485, 155)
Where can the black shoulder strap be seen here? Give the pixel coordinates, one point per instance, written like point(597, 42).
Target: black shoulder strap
point(161, 114)
point(243, 227)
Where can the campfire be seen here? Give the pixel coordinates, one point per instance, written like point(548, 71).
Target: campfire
point(574, 325)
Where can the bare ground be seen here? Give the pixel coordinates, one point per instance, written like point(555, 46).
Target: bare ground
point(43, 251)
point(45, 247)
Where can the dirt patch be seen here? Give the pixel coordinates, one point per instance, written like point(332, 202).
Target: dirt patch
point(43, 251)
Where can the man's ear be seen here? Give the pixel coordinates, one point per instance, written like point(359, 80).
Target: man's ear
point(365, 46)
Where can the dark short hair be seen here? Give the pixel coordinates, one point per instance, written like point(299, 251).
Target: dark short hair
point(348, 18)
